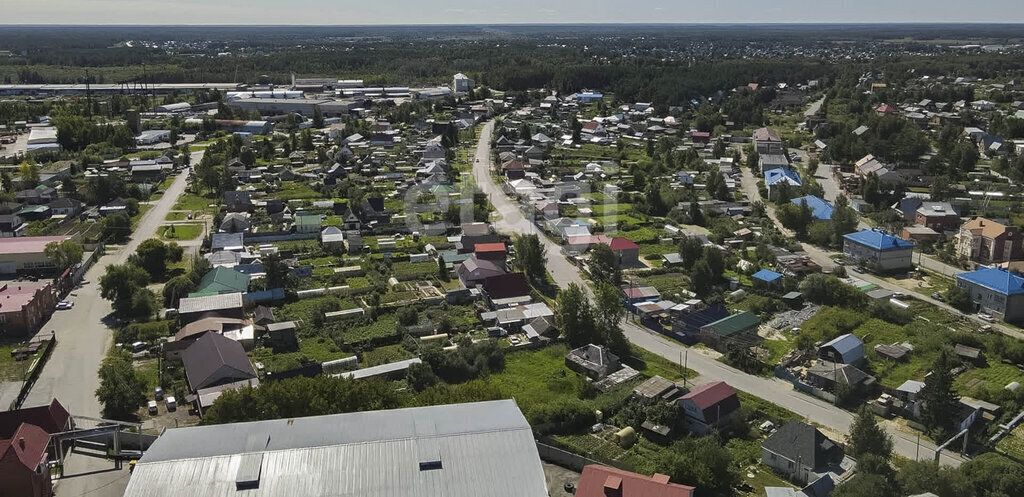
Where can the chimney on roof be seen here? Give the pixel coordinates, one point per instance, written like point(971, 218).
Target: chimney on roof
point(21, 442)
point(613, 486)
point(660, 478)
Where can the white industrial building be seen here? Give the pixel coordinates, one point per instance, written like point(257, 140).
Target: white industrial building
point(458, 450)
point(462, 83)
point(153, 136)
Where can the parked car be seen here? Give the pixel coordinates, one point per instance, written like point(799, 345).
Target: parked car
point(158, 393)
point(64, 305)
point(986, 317)
point(152, 407)
point(938, 296)
point(171, 404)
point(985, 329)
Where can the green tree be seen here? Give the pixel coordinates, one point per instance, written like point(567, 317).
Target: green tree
point(575, 316)
point(420, 377)
point(605, 265)
point(64, 254)
point(993, 475)
point(959, 299)
point(917, 477)
point(152, 256)
point(866, 437)
point(297, 397)
point(530, 258)
point(176, 288)
point(938, 399)
point(702, 462)
point(117, 227)
point(844, 219)
point(6, 182)
point(318, 117)
point(118, 285)
point(28, 173)
point(702, 278)
point(608, 311)
point(691, 248)
point(143, 304)
point(121, 391)
point(696, 214)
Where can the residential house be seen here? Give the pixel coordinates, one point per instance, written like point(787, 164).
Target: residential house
point(987, 241)
point(707, 407)
point(234, 242)
point(604, 481)
point(24, 463)
point(821, 210)
point(939, 216)
point(222, 280)
point(736, 330)
point(39, 195)
point(332, 238)
point(766, 278)
point(224, 305)
point(238, 201)
point(828, 375)
point(996, 291)
point(844, 349)
point(507, 288)
point(768, 141)
point(350, 221)
point(594, 361)
point(236, 222)
point(473, 271)
point(214, 360)
point(627, 251)
point(801, 452)
point(65, 206)
point(878, 248)
point(11, 225)
point(490, 251)
point(373, 210)
point(779, 176)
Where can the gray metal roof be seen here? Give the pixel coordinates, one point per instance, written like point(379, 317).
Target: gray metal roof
point(210, 303)
point(485, 449)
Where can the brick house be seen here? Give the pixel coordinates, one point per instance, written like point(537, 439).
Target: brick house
point(984, 240)
point(24, 306)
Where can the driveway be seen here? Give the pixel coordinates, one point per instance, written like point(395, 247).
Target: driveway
point(771, 389)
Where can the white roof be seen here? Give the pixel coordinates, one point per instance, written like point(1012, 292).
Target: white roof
point(483, 449)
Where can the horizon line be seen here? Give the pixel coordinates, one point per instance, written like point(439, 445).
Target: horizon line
point(637, 23)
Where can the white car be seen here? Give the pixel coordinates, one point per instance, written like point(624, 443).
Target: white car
point(64, 305)
point(986, 317)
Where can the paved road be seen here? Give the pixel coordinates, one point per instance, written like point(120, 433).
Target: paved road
point(83, 338)
point(773, 389)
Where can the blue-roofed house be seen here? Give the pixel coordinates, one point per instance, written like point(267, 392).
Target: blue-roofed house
point(845, 349)
point(996, 291)
point(781, 175)
point(876, 247)
point(820, 208)
point(767, 277)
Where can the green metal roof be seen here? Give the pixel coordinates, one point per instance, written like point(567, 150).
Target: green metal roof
point(223, 280)
point(735, 323)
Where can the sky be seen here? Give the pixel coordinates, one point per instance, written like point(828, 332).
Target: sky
point(349, 12)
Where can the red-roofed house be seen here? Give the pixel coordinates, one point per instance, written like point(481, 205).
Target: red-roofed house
point(628, 252)
point(23, 463)
point(51, 418)
point(490, 251)
point(514, 169)
point(706, 407)
point(885, 109)
point(603, 481)
point(24, 306)
point(582, 243)
point(700, 137)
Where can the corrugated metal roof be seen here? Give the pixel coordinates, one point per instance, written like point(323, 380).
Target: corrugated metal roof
point(485, 449)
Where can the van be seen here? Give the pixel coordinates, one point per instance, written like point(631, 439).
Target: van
point(171, 404)
point(152, 407)
point(138, 346)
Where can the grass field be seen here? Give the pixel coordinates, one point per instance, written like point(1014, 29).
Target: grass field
point(11, 370)
point(1013, 444)
point(294, 190)
point(181, 231)
point(192, 202)
point(669, 284)
point(317, 349)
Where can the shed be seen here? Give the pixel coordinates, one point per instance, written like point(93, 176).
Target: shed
point(845, 349)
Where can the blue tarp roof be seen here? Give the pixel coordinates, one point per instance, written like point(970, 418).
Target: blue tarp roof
point(773, 176)
point(821, 209)
point(766, 275)
point(878, 240)
point(996, 279)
